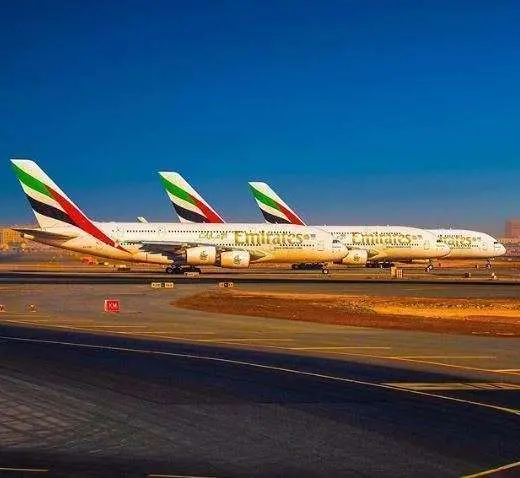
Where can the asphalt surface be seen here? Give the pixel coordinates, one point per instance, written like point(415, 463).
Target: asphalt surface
point(151, 313)
point(91, 405)
point(85, 393)
point(303, 281)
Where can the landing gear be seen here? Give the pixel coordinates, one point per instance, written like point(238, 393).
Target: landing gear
point(182, 270)
point(429, 267)
point(379, 264)
point(488, 264)
point(324, 270)
point(307, 266)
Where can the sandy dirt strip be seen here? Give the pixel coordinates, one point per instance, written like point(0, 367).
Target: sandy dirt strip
point(497, 317)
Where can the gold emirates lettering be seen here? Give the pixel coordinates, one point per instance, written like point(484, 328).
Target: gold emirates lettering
point(381, 238)
point(457, 241)
point(243, 238)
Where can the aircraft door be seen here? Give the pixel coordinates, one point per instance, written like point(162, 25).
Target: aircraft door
point(321, 245)
point(426, 245)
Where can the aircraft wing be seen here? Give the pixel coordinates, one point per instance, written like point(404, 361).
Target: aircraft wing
point(176, 248)
point(39, 234)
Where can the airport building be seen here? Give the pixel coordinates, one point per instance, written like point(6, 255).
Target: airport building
point(512, 246)
point(10, 238)
point(513, 228)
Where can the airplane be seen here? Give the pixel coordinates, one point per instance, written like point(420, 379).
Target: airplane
point(466, 244)
point(463, 244)
point(179, 246)
point(368, 245)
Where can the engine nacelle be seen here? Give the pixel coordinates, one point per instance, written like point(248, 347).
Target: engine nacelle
point(235, 259)
point(202, 255)
point(355, 257)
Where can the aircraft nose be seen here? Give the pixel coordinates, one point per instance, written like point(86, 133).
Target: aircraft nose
point(500, 250)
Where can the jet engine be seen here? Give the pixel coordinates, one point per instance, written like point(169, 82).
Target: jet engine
point(235, 259)
point(355, 257)
point(202, 255)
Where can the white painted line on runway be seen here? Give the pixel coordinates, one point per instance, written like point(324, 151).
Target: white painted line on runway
point(167, 332)
point(494, 470)
point(178, 476)
point(267, 367)
point(254, 339)
point(112, 326)
point(33, 316)
point(443, 357)
point(338, 347)
point(482, 386)
point(428, 362)
point(25, 470)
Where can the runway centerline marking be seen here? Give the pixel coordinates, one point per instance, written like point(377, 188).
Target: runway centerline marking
point(443, 357)
point(25, 470)
point(261, 339)
point(429, 362)
point(474, 386)
point(154, 475)
point(339, 347)
point(113, 326)
point(383, 386)
point(493, 470)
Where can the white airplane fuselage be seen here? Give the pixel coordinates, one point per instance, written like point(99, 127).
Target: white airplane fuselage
point(466, 244)
point(390, 242)
point(280, 243)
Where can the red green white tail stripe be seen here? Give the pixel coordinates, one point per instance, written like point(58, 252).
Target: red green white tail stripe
point(188, 203)
point(273, 208)
point(50, 204)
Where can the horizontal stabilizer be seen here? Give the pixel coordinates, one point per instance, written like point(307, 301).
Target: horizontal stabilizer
point(44, 235)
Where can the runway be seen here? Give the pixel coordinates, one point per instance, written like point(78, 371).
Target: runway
point(156, 390)
point(85, 405)
point(371, 283)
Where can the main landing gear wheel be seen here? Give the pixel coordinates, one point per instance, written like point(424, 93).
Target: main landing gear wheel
point(169, 270)
point(324, 271)
point(429, 268)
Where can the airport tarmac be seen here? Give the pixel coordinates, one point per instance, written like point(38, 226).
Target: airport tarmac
point(160, 390)
point(90, 405)
point(505, 286)
point(149, 313)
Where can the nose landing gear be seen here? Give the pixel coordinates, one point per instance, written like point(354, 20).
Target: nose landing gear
point(429, 267)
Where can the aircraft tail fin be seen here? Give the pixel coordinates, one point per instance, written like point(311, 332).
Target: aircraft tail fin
point(189, 205)
point(272, 206)
point(50, 204)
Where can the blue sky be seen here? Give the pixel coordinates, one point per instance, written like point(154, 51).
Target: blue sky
point(357, 112)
